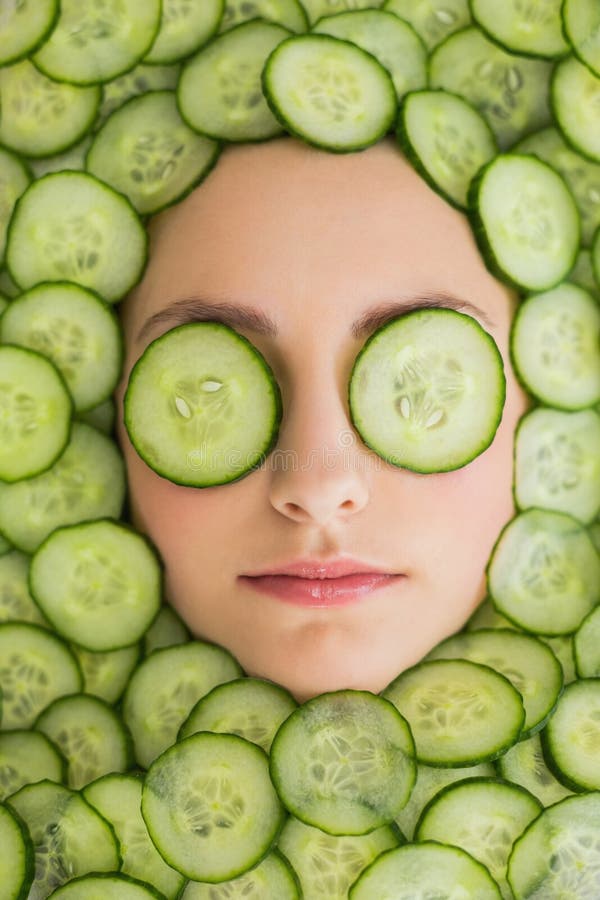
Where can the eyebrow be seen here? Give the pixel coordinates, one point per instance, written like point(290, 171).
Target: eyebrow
point(240, 316)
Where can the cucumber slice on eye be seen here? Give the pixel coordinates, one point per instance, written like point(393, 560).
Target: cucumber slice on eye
point(427, 391)
point(202, 406)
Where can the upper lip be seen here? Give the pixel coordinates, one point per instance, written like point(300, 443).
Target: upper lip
point(314, 568)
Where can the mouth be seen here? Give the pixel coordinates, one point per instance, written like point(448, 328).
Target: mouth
point(321, 591)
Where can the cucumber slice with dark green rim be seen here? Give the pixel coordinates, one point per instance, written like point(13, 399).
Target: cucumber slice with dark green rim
point(460, 712)
point(110, 886)
point(533, 30)
point(250, 707)
point(73, 158)
point(557, 462)
point(558, 854)
point(525, 221)
point(571, 739)
point(562, 647)
point(289, 13)
point(446, 140)
point(14, 178)
point(575, 95)
point(318, 8)
point(118, 799)
point(581, 23)
point(36, 413)
point(389, 39)
point(166, 630)
point(486, 616)
point(544, 572)
point(50, 240)
point(219, 92)
point(17, 861)
point(329, 92)
point(184, 27)
point(587, 646)
point(528, 664)
point(106, 674)
point(76, 330)
point(94, 43)
point(344, 762)
point(427, 391)
point(41, 117)
point(433, 20)
point(164, 689)
point(69, 837)
point(210, 807)
point(327, 864)
point(138, 81)
point(99, 583)
point(27, 757)
point(16, 603)
point(146, 151)
point(25, 25)
point(273, 877)
point(424, 870)
point(202, 406)
point(524, 764)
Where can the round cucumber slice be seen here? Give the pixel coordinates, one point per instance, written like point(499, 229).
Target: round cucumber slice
point(587, 646)
point(317, 8)
point(25, 25)
point(289, 13)
point(571, 739)
point(427, 391)
point(575, 94)
point(17, 861)
point(108, 886)
point(273, 877)
point(138, 81)
point(432, 20)
point(202, 406)
point(26, 757)
point(528, 29)
point(14, 178)
point(184, 28)
point(16, 603)
point(581, 23)
point(524, 764)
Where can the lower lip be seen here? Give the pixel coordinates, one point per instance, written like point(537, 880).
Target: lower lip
point(320, 592)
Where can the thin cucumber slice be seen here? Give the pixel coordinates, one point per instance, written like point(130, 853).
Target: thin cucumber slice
point(587, 646)
point(427, 390)
point(69, 837)
point(575, 95)
point(554, 347)
point(25, 25)
point(558, 854)
point(250, 707)
point(14, 179)
point(487, 616)
point(562, 647)
point(326, 864)
point(106, 675)
point(79, 240)
point(447, 141)
point(166, 630)
point(76, 330)
point(101, 417)
point(329, 92)
point(557, 462)
point(17, 861)
point(16, 602)
point(73, 158)
point(525, 221)
point(41, 117)
point(87, 482)
point(99, 583)
point(533, 30)
point(460, 712)
point(424, 870)
point(289, 13)
point(484, 817)
point(582, 274)
point(317, 8)
point(528, 664)
point(571, 739)
point(219, 92)
point(271, 878)
point(202, 406)
point(118, 799)
point(165, 687)
point(344, 762)
point(524, 764)
point(138, 81)
point(93, 43)
point(36, 413)
point(110, 886)
point(433, 20)
point(389, 39)
point(544, 572)
point(27, 757)
point(581, 23)
point(184, 28)
point(147, 152)
point(210, 807)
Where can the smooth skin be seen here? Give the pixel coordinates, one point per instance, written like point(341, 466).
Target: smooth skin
point(314, 239)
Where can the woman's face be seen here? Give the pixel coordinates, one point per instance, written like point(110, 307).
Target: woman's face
point(314, 241)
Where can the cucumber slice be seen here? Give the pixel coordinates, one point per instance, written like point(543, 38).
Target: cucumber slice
point(99, 583)
point(184, 28)
point(138, 81)
point(571, 739)
point(317, 8)
point(250, 707)
point(289, 13)
point(581, 23)
point(273, 877)
point(92, 43)
point(558, 854)
point(544, 572)
point(422, 871)
point(16, 603)
point(531, 29)
point(329, 92)
point(36, 413)
point(486, 616)
point(210, 807)
point(105, 675)
point(27, 757)
point(557, 462)
point(427, 390)
point(433, 20)
point(73, 158)
point(587, 646)
point(14, 179)
point(596, 256)
point(76, 330)
point(219, 92)
point(110, 886)
point(389, 39)
point(202, 406)
point(460, 712)
point(575, 95)
point(525, 221)
point(41, 117)
point(147, 152)
point(25, 25)
point(524, 764)
point(344, 762)
point(447, 141)
point(17, 862)
point(582, 274)
point(562, 647)
point(166, 630)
